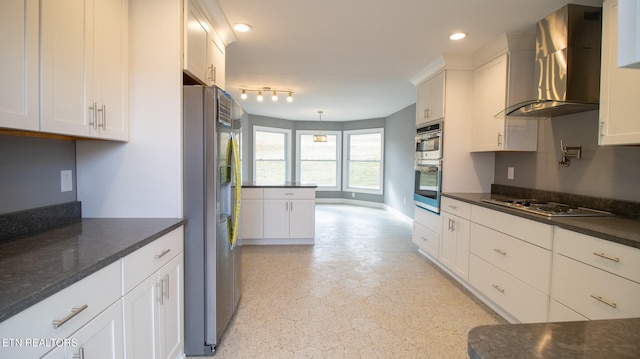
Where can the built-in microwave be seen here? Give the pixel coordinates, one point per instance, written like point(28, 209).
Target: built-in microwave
point(429, 142)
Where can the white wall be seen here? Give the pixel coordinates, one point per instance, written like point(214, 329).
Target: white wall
point(142, 178)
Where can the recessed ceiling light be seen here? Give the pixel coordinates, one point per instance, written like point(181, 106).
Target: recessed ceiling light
point(457, 36)
point(242, 27)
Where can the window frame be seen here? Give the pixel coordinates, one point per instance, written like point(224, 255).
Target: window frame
point(346, 185)
point(338, 157)
point(287, 160)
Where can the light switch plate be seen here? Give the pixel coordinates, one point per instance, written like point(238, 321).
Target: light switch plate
point(510, 172)
point(66, 181)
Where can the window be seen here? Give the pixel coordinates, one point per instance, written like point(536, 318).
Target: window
point(319, 162)
point(271, 155)
point(363, 166)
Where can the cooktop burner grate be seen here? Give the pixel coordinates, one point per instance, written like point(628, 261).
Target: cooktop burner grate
point(549, 209)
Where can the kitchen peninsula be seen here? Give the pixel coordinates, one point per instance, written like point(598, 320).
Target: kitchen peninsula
point(278, 213)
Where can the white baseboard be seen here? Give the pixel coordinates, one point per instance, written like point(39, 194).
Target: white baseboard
point(276, 241)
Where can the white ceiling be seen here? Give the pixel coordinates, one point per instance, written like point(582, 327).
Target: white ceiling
point(353, 59)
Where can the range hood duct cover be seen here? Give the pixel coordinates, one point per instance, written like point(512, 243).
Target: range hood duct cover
point(567, 70)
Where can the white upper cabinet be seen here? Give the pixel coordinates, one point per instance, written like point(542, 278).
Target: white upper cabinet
point(629, 34)
point(619, 88)
point(430, 103)
point(84, 63)
point(504, 80)
point(19, 86)
point(204, 51)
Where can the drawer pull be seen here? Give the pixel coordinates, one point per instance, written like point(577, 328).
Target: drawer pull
point(453, 207)
point(600, 299)
point(602, 255)
point(80, 354)
point(162, 254)
point(74, 311)
point(289, 193)
point(497, 287)
point(500, 251)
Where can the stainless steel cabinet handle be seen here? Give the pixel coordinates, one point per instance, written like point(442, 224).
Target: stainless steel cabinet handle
point(286, 206)
point(607, 302)
point(500, 251)
point(497, 287)
point(602, 128)
point(160, 291)
point(104, 117)
point(74, 311)
point(166, 280)
point(291, 206)
point(289, 193)
point(162, 254)
point(94, 115)
point(453, 207)
point(499, 139)
point(80, 354)
point(212, 73)
point(602, 255)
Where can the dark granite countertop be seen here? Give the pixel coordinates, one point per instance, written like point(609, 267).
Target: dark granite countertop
point(279, 185)
point(35, 267)
point(612, 339)
point(616, 229)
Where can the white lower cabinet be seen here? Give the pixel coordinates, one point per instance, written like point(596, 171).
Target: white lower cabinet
point(101, 338)
point(454, 246)
point(278, 215)
point(427, 227)
point(510, 263)
point(596, 278)
point(520, 300)
point(62, 315)
point(153, 308)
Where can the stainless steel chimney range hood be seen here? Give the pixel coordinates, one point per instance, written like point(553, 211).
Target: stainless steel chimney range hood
point(567, 70)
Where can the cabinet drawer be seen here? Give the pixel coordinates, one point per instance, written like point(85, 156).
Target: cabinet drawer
point(426, 239)
point(458, 208)
point(252, 193)
point(522, 301)
point(560, 313)
point(289, 193)
point(142, 263)
point(527, 262)
point(96, 292)
point(592, 292)
point(533, 232)
point(612, 257)
point(428, 219)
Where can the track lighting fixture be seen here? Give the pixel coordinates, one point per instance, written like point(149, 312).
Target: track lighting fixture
point(274, 92)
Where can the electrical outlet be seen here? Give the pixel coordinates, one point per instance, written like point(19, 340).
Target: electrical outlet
point(66, 181)
point(353, 195)
point(510, 173)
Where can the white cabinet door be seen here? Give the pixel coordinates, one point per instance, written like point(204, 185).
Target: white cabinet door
point(110, 91)
point(67, 66)
point(302, 218)
point(141, 319)
point(171, 308)
point(252, 218)
point(454, 247)
point(100, 338)
point(276, 218)
point(494, 83)
point(84, 68)
point(619, 88)
point(430, 102)
point(196, 42)
point(216, 61)
point(19, 88)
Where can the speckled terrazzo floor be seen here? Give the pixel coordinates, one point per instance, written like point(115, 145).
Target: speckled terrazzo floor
point(362, 291)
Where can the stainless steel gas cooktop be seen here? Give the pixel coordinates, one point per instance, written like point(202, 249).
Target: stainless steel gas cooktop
point(549, 209)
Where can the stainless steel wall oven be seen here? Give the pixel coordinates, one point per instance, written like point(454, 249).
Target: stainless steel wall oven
point(428, 167)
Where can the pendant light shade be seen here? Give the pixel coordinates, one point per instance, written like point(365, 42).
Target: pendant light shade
point(320, 137)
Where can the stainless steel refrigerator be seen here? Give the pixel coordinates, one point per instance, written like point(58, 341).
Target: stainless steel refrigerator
point(211, 184)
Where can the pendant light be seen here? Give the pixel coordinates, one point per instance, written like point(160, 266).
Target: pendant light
point(320, 137)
